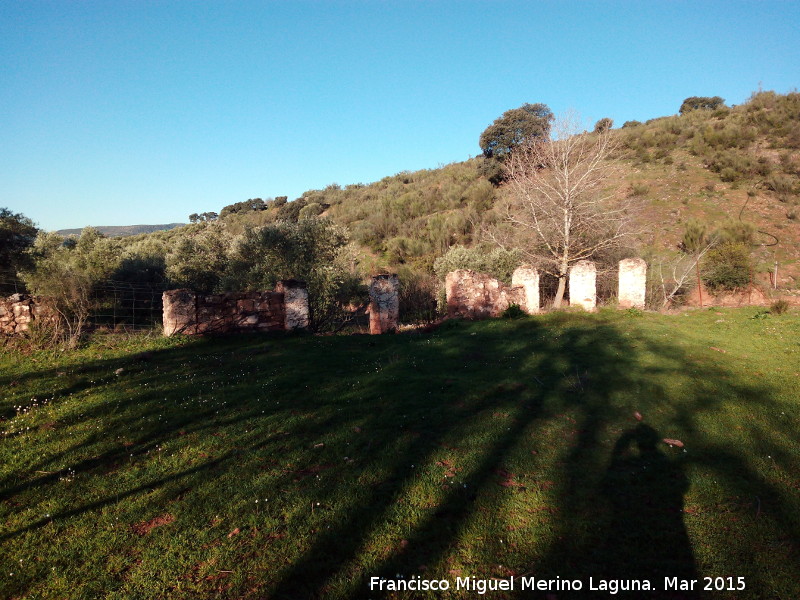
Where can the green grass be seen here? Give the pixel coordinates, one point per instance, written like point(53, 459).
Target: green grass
point(298, 467)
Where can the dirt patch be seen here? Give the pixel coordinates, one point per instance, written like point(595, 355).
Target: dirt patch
point(145, 527)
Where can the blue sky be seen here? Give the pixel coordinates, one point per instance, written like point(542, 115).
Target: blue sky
point(118, 112)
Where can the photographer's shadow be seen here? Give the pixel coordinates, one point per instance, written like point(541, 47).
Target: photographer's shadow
point(647, 538)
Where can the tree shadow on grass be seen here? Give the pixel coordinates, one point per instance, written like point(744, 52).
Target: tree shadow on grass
point(407, 443)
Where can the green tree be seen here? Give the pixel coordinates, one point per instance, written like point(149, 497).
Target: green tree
point(251, 205)
point(515, 127)
point(199, 258)
point(66, 273)
point(206, 216)
point(701, 103)
point(603, 124)
point(311, 250)
point(17, 234)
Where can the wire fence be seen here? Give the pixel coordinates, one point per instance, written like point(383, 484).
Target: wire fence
point(127, 305)
point(118, 305)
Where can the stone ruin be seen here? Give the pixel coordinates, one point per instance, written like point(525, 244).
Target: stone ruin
point(528, 278)
point(18, 311)
point(384, 304)
point(284, 309)
point(632, 283)
point(477, 295)
point(583, 285)
point(295, 304)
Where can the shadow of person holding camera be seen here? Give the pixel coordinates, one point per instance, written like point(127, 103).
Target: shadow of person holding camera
point(647, 538)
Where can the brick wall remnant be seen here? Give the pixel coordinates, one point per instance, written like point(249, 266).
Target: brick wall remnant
point(384, 304)
point(583, 285)
point(527, 277)
point(191, 313)
point(632, 283)
point(478, 295)
point(295, 301)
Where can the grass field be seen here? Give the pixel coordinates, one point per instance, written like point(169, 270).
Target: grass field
point(300, 466)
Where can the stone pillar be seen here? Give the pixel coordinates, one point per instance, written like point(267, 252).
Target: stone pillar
point(295, 302)
point(528, 277)
point(632, 283)
point(180, 312)
point(384, 304)
point(583, 285)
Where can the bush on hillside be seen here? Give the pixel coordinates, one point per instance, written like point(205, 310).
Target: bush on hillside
point(496, 262)
point(727, 267)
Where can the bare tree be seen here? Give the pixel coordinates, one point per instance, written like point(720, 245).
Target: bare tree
point(680, 270)
point(559, 209)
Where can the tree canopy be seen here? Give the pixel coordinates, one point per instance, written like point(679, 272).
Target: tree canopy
point(701, 102)
point(514, 127)
point(17, 232)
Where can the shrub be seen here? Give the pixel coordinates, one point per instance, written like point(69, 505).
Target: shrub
point(638, 189)
point(735, 232)
point(498, 263)
point(199, 258)
point(779, 307)
point(311, 250)
point(727, 267)
point(694, 237)
point(513, 312)
point(68, 274)
point(783, 185)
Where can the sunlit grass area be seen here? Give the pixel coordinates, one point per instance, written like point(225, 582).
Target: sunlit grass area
point(300, 466)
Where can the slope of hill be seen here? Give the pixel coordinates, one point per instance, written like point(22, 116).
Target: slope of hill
point(729, 169)
point(123, 230)
point(737, 165)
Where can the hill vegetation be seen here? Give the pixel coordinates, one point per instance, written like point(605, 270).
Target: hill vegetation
point(123, 230)
point(710, 176)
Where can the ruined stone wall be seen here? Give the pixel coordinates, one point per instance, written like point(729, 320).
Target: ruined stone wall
point(18, 311)
point(478, 295)
point(191, 313)
point(384, 304)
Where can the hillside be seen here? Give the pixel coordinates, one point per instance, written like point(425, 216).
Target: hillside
point(731, 173)
point(706, 166)
point(123, 230)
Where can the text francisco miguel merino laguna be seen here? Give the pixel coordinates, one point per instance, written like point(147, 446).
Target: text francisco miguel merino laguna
point(481, 586)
